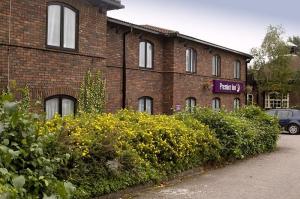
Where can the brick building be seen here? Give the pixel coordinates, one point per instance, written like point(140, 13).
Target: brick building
point(50, 45)
point(271, 100)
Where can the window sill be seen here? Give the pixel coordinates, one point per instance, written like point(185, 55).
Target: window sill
point(146, 69)
point(60, 49)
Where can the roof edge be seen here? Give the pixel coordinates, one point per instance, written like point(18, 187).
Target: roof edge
point(177, 34)
point(108, 4)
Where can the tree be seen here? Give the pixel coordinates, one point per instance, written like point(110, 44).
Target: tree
point(92, 93)
point(272, 63)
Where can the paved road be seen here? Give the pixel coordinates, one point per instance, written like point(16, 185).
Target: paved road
point(269, 176)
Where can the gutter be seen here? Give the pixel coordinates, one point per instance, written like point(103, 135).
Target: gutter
point(176, 34)
point(124, 70)
point(8, 49)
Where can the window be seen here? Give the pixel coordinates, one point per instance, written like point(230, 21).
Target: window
point(236, 104)
point(216, 104)
point(62, 26)
point(190, 103)
point(62, 105)
point(237, 70)
point(274, 100)
point(146, 105)
point(249, 99)
point(216, 66)
point(191, 59)
point(146, 55)
point(284, 114)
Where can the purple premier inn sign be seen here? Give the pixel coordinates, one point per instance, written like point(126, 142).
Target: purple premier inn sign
point(228, 87)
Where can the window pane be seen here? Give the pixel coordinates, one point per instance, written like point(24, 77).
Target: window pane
point(68, 107)
point(214, 68)
point(52, 108)
point(149, 106)
point(142, 61)
point(193, 103)
point(194, 59)
point(141, 105)
point(218, 67)
point(54, 12)
point(149, 55)
point(69, 28)
point(187, 57)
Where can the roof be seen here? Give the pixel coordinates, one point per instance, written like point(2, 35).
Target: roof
point(171, 33)
point(108, 4)
point(157, 29)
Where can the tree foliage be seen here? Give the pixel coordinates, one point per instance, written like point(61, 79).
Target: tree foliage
point(272, 63)
point(92, 93)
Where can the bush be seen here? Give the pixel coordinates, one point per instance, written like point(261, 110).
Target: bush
point(248, 131)
point(112, 152)
point(25, 171)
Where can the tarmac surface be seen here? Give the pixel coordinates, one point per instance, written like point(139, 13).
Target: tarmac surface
point(268, 176)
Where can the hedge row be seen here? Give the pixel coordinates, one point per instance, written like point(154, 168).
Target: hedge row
point(99, 154)
point(111, 152)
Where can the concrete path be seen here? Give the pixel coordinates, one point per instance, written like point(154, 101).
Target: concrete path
point(269, 176)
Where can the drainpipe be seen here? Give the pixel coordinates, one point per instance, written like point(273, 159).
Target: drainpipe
point(9, 42)
point(247, 62)
point(124, 75)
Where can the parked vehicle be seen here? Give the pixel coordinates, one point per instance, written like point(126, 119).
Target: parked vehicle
point(289, 119)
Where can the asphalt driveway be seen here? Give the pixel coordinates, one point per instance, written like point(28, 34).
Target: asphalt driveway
point(269, 176)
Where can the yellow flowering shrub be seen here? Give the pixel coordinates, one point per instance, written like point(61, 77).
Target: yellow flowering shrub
point(129, 147)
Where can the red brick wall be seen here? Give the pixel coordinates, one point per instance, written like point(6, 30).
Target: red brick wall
point(49, 72)
point(167, 83)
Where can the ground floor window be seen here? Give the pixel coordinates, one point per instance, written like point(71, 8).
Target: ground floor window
point(190, 103)
point(216, 104)
point(236, 104)
point(146, 105)
point(62, 105)
point(275, 100)
point(249, 99)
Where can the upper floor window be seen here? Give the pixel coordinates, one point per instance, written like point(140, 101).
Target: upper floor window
point(216, 104)
point(146, 105)
point(62, 29)
point(216, 66)
point(62, 105)
point(190, 103)
point(237, 70)
point(191, 60)
point(146, 55)
point(236, 104)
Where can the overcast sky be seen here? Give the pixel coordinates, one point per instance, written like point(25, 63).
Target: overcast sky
point(236, 24)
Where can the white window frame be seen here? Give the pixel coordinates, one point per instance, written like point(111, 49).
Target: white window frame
point(67, 39)
point(216, 104)
point(275, 103)
point(61, 106)
point(191, 60)
point(250, 102)
point(236, 103)
point(216, 65)
point(190, 103)
point(144, 103)
point(146, 54)
point(237, 69)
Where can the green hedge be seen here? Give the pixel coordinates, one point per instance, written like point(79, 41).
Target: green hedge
point(246, 132)
point(114, 151)
point(103, 153)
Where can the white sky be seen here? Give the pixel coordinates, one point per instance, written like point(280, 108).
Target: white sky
point(236, 24)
